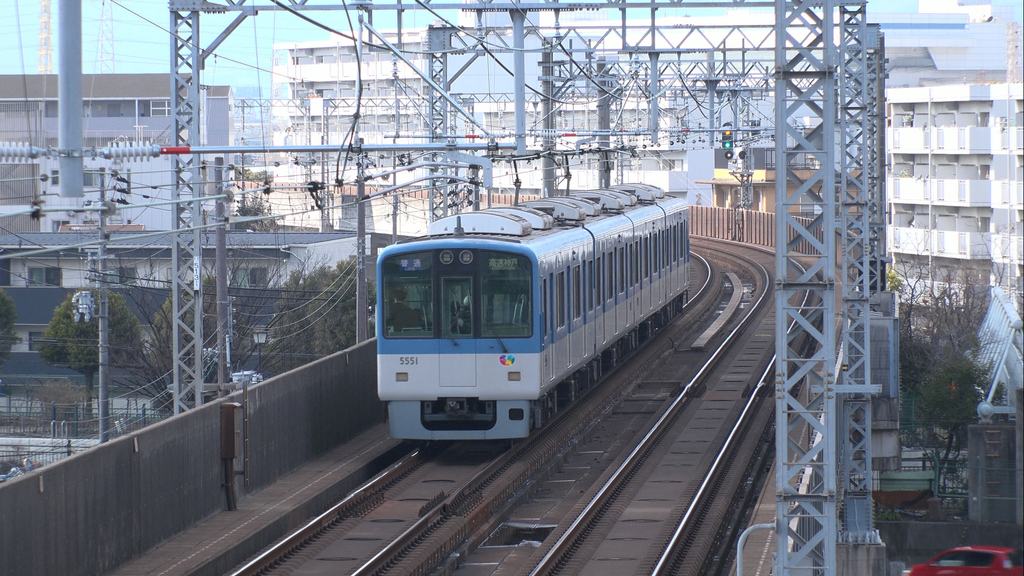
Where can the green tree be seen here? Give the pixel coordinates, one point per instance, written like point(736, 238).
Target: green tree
point(249, 306)
point(314, 317)
point(946, 404)
point(8, 317)
point(75, 345)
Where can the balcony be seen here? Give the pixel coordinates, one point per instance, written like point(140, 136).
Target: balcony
point(962, 245)
point(909, 240)
point(965, 193)
point(966, 140)
point(910, 140)
point(941, 191)
point(941, 243)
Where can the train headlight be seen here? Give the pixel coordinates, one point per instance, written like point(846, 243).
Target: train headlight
point(514, 376)
point(401, 376)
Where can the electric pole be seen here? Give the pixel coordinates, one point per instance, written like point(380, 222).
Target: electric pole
point(221, 255)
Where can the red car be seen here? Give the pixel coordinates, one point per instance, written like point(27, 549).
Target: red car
point(972, 561)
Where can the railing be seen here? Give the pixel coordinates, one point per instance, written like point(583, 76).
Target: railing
point(77, 420)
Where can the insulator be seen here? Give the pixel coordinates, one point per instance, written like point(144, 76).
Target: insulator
point(10, 152)
point(129, 151)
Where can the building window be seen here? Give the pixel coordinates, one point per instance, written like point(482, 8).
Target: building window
point(94, 178)
point(35, 341)
point(250, 278)
point(127, 274)
point(160, 108)
point(47, 276)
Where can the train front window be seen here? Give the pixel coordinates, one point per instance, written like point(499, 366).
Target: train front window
point(408, 296)
point(506, 298)
point(457, 299)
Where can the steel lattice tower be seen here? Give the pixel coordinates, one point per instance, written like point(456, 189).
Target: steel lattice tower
point(854, 377)
point(186, 240)
point(805, 398)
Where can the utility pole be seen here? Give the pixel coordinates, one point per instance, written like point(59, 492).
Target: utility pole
point(361, 303)
point(104, 321)
point(69, 62)
point(604, 123)
point(360, 212)
point(221, 254)
point(547, 121)
point(519, 77)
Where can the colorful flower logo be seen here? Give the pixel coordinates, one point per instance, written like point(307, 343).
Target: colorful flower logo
point(507, 359)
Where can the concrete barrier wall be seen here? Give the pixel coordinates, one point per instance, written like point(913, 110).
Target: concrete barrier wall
point(92, 512)
point(916, 542)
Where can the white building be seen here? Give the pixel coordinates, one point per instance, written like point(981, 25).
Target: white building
point(949, 42)
point(117, 108)
point(956, 197)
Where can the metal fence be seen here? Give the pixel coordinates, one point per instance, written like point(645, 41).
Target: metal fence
point(69, 427)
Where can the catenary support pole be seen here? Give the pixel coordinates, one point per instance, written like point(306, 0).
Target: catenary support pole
point(221, 256)
point(69, 95)
point(104, 326)
point(519, 80)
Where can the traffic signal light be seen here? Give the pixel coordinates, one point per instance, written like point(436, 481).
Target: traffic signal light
point(727, 144)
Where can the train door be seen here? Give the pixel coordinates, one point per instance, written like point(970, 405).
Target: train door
point(457, 368)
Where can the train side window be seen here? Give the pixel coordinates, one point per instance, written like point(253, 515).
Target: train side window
point(595, 285)
point(609, 276)
point(635, 262)
point(560, 308)
point(544, 307)
point(622, 271)
point(577, 292)
point(672, 240)
point(666, 250)
point(647, 258)
point(686, 242)
point(655, 251)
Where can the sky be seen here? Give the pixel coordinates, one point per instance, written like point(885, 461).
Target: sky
point(140, 41)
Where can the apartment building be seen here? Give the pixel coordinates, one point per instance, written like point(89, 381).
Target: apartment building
point(956, 184)
point(117, 108)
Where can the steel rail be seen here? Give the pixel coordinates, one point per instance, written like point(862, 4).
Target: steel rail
point(705, 490)
point(665, 562)
point(566, 542)
point(363, 495)
point(452, 505)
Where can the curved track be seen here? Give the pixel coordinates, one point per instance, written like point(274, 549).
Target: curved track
point(461, 507)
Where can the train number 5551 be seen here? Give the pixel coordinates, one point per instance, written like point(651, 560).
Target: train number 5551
point(408, 360)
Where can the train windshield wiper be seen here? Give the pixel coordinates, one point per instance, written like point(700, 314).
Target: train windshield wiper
point(502, 344)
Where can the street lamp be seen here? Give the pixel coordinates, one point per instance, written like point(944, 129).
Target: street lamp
point(260, 338)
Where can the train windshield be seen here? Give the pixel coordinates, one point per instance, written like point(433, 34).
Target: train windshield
point(505, 295)
point(409, 296)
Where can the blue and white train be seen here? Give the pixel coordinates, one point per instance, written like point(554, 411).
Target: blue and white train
point(499, 317)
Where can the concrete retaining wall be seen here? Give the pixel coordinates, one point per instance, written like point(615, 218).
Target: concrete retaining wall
point(916, 542)
point(91, 512)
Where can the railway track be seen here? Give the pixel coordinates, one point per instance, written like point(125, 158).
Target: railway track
point(394, 525)
point(682, 468)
